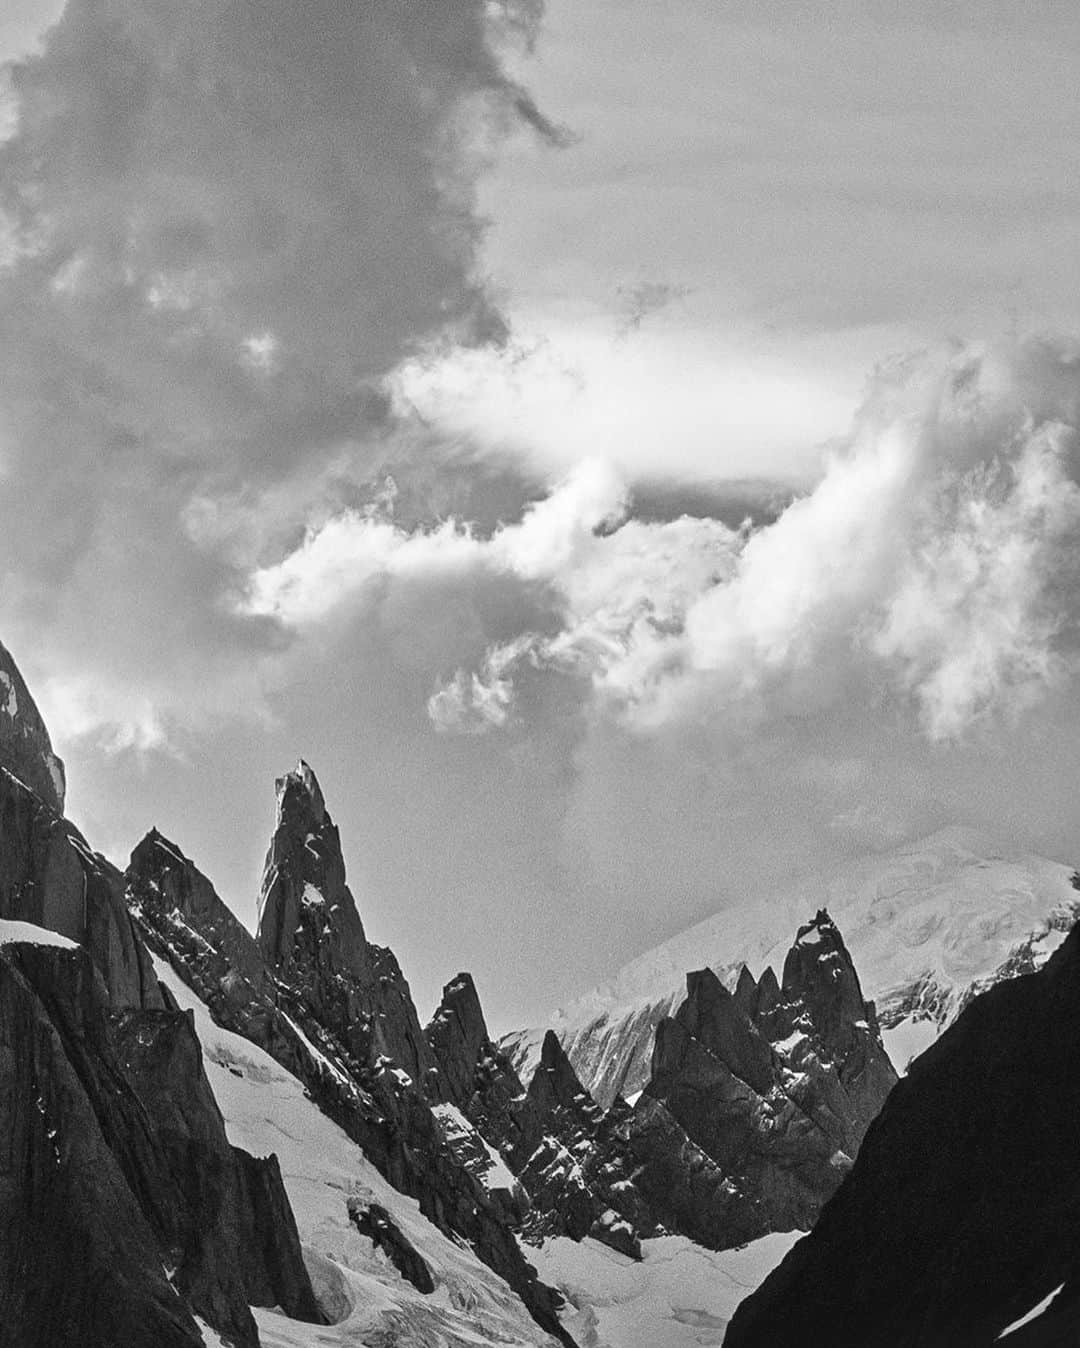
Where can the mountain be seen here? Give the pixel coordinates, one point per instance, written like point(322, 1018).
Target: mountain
point(958, 1220)
point(928, 925)
point(128, 1217)
point(252, 1138)
point(758, 1099)
point(334, 1010)
point(389, 1274)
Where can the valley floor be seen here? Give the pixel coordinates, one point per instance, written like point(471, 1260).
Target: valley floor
point(679, 1295)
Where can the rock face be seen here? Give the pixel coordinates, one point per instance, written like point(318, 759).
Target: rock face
point(553, 1138)
point(25, 748)
point(757, 1102)
point(959, 1216)
point(126, 1211)
point(50, 877)
point(334, 1010)
point(759, 1099)
point(311, 937)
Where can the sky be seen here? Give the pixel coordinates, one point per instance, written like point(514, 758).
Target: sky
point(628, 450)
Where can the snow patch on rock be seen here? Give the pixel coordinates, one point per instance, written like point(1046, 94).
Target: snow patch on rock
point(28, 933)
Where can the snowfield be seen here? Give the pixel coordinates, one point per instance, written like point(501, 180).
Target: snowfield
point(265, 1110)
point(679, 1295)
point(926, 924)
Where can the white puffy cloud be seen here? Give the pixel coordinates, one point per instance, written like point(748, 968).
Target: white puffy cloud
point(927, 563)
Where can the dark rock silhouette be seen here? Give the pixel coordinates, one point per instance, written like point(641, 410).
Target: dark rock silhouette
point(373, 1220)
point(125, 1208)
point(960, 1213)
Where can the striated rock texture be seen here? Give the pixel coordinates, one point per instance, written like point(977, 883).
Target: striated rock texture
point(25, 748)
point(334, 1010)
point(759, 1099)
point(126, 1211)
point(959, 1216)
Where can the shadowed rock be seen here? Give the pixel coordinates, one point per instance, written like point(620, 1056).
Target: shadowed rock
point(25, 748)
point(959, 1215)
point(311, 937)
point(759, 1099)
point(125, 1208)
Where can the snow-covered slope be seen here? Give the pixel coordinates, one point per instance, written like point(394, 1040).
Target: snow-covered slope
point(266, 1110)
point(678, 1296)
point(927, 925)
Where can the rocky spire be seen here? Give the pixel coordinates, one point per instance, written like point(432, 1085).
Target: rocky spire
point(306, 912)
point(457, 1036)
point(25, 747)
point(182, 917)
point(774, 1085)
point(311, 937)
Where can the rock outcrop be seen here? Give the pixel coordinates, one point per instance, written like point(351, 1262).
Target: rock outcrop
point(50, 877)
point(959, 1216)
point(311, 937)
point(126, 1211)
point(25, 748)
point(759, 1099)
point(553, 1138)
point(334, 1010)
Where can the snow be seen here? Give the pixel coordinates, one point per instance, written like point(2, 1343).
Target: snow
point(320, 1057)
point(26, 933)
point(266, 1110)
point(679, 1294)
point(57, 776)
point(455, 1124)
point(942, 914)
point(211, 1337)
point(311, 896)
point(1032, 1314)
point(10, 703)
point(905, 1041)
point(163, 846)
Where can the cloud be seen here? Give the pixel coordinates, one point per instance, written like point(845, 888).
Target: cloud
point(225, 224)
point(643, 300)
point(661, 403)
point(932, 564)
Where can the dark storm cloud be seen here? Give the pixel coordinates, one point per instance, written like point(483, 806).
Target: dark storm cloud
point(226, 222)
